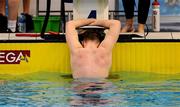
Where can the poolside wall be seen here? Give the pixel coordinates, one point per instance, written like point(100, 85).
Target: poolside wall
point(159, 57)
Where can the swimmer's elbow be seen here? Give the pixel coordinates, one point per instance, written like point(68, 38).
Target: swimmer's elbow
point(69, 23)
point(115, 22)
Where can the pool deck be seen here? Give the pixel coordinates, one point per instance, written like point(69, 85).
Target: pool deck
point(150, 36)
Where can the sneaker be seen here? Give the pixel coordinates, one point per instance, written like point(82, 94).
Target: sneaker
point(10, 31)
point(29, 23)
point(3, 24)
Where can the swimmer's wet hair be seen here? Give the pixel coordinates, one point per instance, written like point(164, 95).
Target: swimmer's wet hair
point(92, 34)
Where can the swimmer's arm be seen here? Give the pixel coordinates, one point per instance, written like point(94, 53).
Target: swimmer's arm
point(112, 35)
point(72, 36)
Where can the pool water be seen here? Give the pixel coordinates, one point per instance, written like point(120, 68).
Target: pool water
point(117, 91)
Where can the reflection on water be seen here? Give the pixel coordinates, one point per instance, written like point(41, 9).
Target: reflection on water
point(2, 82)
point(92, 93)
point(66, 92)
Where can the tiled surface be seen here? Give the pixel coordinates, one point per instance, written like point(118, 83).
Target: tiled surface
point(141, 35)
point(151, 35)
point(14, 37)
point(39, 38)
point(4, 36)
point(176, 35)
point(159, 35)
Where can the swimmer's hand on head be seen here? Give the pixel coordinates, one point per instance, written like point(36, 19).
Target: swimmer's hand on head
point(72, 34)
point(105, 23)
point(110, 37)
point(81, 22)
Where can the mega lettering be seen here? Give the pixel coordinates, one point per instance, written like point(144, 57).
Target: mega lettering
point(14, 56)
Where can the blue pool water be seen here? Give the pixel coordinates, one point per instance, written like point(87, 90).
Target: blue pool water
point(87, 93)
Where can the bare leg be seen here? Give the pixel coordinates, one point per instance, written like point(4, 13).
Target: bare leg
point(26, 6)
point(141, 28)
point(13, 13)
point(13, 9)
point(2, 7)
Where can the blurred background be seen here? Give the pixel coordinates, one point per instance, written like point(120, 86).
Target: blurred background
point(169, 10)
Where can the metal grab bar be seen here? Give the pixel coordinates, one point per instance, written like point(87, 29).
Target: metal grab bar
point(46, 18)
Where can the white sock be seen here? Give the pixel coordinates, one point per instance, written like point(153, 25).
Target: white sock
point(12, 25)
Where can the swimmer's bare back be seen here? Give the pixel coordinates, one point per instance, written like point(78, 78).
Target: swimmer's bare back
point(91, 62)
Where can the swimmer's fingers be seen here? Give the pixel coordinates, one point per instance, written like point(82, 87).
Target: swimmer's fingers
point(96, 23)
point(80, 22)
point(103, 23)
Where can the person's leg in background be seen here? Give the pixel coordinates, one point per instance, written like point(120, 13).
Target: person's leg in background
point(3, 18)
point(29, 21)
point(143, 10)
point(26, 6)
point(2, 7)
point(13, 6)
point(129, 13)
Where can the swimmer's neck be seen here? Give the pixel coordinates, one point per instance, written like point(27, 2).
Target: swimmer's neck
point(90, 45)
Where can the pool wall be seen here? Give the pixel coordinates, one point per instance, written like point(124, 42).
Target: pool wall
point(153, 57)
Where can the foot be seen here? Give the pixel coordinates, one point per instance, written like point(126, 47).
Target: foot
point(10, 31)
point(127, 28)
point(141, 28)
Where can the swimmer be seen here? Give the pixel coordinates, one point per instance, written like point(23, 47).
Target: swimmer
point(91, 58)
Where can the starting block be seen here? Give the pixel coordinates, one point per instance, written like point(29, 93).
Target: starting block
point(90, 9)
